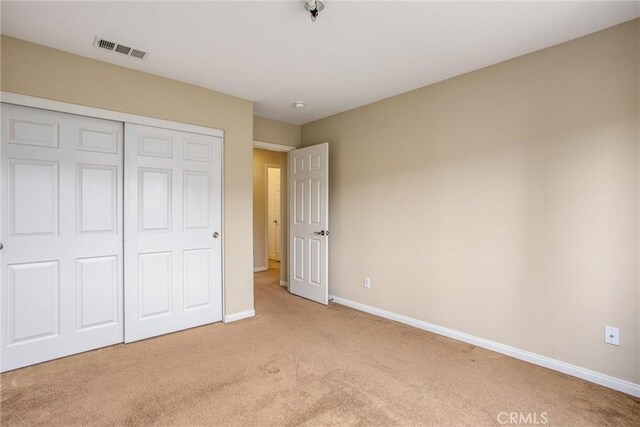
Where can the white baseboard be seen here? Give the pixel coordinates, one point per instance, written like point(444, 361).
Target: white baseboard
point(283, 283)
point(228, 318)
point(544, 361)
point(258, 269)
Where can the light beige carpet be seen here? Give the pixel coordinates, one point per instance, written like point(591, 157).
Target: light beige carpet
point(301, 363)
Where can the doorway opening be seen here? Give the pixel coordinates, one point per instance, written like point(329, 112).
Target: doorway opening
point(305, 238)
point(270, 217)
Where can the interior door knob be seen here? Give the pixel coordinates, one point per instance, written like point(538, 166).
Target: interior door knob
point(215, 234)
point(1, 246)
point(320, 233)
point(275, 221)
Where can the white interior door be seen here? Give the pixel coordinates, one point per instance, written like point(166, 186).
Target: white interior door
point(273, 209)
point(309, 222)
point(173, 249)
point(61, 228)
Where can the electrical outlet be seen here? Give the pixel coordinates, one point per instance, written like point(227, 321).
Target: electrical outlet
point(611, 335)
point(367, 282)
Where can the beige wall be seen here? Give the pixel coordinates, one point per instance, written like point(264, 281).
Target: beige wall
point(502, 203)
point(48, 73)
point(260, 159)
point(267, 130)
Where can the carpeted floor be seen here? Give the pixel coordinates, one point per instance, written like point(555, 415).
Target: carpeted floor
point(298, 362)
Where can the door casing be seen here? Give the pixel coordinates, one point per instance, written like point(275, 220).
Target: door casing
point(284, 267)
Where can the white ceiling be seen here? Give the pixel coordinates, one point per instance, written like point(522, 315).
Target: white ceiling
point(271, 53)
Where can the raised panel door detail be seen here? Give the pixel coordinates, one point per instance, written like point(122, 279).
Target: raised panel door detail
point(154, 281)
point(98, 140)
point(61, 281)
point(33, 197)
point(199, 151)
point(309, 233)
point(154, 199)
point(298, 261)
point(29, 132)
point(33, 301)
point(298, 206)
point(314, 261)
point(314, 163)
point(299, 165)
point(172, 264)
point(315, 201)
point(155, 146)
point(97, 198)
point(97, 280)
point(197, 200)
point(197, 278)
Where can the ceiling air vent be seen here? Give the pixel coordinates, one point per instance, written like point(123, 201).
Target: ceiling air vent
point(138, 53)
point(105, 44)
point(123, 49)
point(101, 43)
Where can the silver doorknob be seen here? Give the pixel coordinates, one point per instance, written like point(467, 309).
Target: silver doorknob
point(215, 235)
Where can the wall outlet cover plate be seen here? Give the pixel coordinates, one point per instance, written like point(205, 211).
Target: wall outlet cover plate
point(611, 335)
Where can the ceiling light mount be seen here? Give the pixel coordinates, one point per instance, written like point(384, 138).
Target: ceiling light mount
point(314, 7)
point(298, 104)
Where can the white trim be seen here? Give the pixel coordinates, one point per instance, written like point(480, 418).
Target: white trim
point(284, 284)
point(544, 361)
point(259, 269)
point(81, 110)
point(223, 230)
point(228, 318)
point(272, 147)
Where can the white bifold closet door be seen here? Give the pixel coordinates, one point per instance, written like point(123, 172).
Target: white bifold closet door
point(61, 228)
point(173, 223)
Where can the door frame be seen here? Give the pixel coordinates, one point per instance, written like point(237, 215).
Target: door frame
point(267, 166)
point(101, 113)
point(270, 146)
